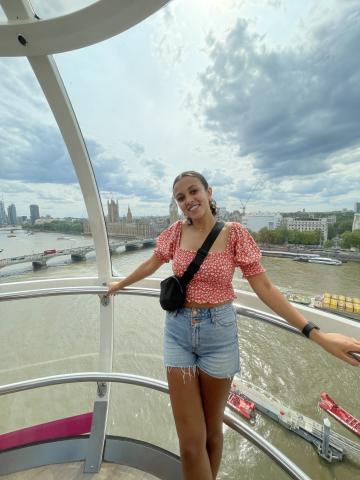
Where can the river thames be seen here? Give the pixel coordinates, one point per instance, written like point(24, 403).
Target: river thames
point(54, 335)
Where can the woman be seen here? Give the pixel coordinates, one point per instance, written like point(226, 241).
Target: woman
point(200, 340)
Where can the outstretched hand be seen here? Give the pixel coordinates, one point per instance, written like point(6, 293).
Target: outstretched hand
point(113, 287)
point(340, 345)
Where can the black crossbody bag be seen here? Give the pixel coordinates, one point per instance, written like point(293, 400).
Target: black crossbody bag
point(173, 289)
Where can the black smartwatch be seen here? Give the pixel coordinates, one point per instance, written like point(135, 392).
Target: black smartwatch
point(308, 327)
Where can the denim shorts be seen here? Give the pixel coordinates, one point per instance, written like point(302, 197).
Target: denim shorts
point(204, 338)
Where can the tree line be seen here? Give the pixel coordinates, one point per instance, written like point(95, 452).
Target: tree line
point(281, 236)
point(57, 226)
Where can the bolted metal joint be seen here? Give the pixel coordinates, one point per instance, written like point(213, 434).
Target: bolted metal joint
point(22, 40)
point(105, 300)
point(101, 389)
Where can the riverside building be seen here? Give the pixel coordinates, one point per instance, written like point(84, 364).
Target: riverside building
point(257, 221)
point(356, 222)
point(307, 225)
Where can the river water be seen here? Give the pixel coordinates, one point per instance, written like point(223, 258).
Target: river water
point(61, 334)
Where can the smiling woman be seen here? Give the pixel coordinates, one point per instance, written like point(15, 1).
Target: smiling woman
point(200, 358)
point(241, 91)
point(193, 194)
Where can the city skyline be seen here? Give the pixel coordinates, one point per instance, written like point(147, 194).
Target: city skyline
point(129, 215)
point(265, 113)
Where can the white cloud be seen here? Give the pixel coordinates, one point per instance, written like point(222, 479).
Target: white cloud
point(280, 97)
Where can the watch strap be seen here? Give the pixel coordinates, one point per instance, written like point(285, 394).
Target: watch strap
point(308, 327)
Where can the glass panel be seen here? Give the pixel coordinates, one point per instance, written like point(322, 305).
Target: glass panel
point(57, 8)
point(42, 212)
point(295, 371)
point(166, 103)
point(135, 411)
point(287, 367)
point(42, 337)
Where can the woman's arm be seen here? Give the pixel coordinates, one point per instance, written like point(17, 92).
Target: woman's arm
point(146, 269)
point(335, 343)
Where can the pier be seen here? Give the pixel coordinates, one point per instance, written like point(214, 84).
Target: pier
point(329, 445)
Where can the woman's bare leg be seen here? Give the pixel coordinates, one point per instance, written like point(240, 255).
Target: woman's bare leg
point(214, 394)
point(190, 422)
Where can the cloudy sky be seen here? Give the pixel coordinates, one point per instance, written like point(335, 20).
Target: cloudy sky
point(261, 96)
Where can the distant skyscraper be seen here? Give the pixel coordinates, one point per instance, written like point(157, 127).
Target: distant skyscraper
point(113, 211)
point(357, 207)
point(3, 218)
point(173, 210)
point(129, 217)
point(34, 213)
point(12, 214)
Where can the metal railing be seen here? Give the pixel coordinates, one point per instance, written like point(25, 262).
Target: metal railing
point(141, 291)
point(102, 378)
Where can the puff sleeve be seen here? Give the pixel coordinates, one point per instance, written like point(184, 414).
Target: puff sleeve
point(247, 254)
point(167, 241)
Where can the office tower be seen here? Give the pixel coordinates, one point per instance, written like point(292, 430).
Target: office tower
point(3, 217)
point(34, 213)
point(12, 214)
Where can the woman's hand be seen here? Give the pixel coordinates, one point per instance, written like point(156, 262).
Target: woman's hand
point(338, 345)
point(146, 269)
point(113, 287)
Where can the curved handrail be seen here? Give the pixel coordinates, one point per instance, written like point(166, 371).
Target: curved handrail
point(230, 420)
point(149, 292)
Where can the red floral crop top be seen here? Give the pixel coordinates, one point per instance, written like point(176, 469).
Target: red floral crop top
point(213, 282)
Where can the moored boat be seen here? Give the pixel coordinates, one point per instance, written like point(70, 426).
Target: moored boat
point(325, 261)
point(298, 298)
point(320, 260)
point(339, 413)
point(339, 304)
point(242, 405)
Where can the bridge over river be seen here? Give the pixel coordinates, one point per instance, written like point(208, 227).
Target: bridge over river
point(77, 253)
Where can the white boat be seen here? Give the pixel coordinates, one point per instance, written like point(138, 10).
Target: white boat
point(320, 260)
point(325, 261)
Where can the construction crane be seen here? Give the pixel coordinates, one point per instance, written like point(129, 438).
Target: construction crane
point(258, 184)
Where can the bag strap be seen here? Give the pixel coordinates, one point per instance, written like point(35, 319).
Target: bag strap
point(201, 253)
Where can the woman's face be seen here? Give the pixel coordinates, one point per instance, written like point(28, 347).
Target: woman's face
point(192, 197)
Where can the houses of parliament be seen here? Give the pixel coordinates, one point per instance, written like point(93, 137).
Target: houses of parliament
point(128, 226)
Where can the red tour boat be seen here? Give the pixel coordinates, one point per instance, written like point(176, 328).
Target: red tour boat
point(348, 420)
point(242, 405)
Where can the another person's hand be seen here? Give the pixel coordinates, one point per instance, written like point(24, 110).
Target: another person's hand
point(113, 287)
point(339, 345)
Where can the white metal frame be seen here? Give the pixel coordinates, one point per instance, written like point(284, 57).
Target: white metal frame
point(26, 35)
point(39, 39)
point(97, 22)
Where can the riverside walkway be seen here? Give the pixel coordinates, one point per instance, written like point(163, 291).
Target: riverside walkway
point(77, 253)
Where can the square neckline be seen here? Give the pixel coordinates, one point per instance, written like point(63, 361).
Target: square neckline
point(209, 253)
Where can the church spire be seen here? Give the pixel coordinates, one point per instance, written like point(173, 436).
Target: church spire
point(129, 217)
point(173, 210)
